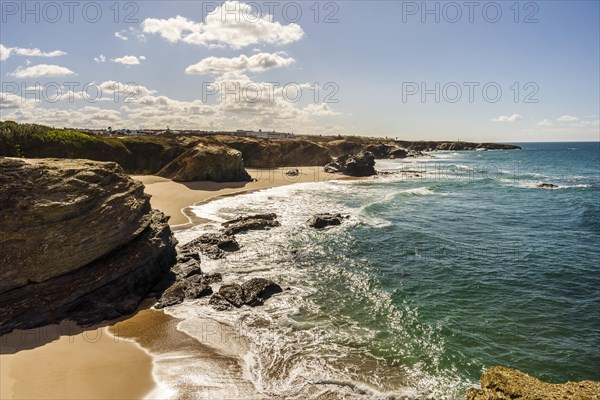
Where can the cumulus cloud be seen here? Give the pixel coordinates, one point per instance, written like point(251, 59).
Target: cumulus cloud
point(233, 24)
point(6, 52)
point(255, 63)
point(544, 122)
point(567, 118)
point(507, 118)
point(100, 59)
point(129, 60)
point(41, 70)
point(125, 34)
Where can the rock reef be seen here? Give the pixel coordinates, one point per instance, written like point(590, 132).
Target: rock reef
point(320, 221)
point(79, 241)
point(186, 281)
point(361, 164)
point(500, 383)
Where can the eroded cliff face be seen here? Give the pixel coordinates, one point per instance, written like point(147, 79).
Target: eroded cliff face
point(203, 162)
point(500, 383)
point(79, 241)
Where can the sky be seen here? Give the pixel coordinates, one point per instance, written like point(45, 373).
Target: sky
point(502, 71)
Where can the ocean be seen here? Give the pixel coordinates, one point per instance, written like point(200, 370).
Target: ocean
point(445, 267)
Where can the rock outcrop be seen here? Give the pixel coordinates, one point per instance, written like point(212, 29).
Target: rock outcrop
point(207, 163)
point(253, 293)
point(361, 164)
point(320, 221)
point(500, 383)
point(79, 241)
point(212, 245)
point(250, 222)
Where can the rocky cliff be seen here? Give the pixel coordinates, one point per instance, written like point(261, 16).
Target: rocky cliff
point(204, 162)
point(79, 240)
point(500, 383)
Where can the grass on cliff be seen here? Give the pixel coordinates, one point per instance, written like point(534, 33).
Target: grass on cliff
point(32, 140)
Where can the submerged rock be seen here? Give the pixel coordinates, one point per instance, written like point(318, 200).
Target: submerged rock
point(547, 186)
point(79, 241)
point(361, 164)
point(250, 222)
point(320, 221)
point(253, 293)
point(500, 383)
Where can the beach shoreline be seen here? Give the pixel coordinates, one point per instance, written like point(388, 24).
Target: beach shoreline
point(82, 361)
point(175, 199)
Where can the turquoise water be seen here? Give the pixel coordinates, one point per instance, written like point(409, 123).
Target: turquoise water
point(434, 277)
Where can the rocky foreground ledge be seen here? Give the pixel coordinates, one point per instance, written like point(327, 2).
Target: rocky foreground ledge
point(500, 383)
point(79, 240)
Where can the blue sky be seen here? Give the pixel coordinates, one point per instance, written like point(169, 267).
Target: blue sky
point(162, 63)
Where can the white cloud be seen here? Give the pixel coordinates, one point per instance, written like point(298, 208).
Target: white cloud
point(567, 118)
point(507, 118)
point(255, 63)
point(6, 52)
point(129, 60)
point(544, 122)
point(41, 70)
point(100, 59)
point(120, 35)
point(126, 33)
point(233, 24)
point(37, 52)
point(10, 101)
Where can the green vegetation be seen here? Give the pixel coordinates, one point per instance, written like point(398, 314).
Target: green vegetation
point(32, 140)
point(143, 155)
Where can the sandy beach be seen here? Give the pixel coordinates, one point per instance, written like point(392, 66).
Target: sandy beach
point(114, 361)
point(174, 198)
point(52, 363)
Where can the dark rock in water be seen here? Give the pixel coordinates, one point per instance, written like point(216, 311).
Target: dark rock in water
point(213, 245)
point(220, 303)
point(361, 164)
point(213, 278)
point(250, 222)
point(320, 221)
point(257, 290)
point(187, 268)
point(233, 293)
point(253, 293)
point(186, 289)
point(79, 241)
point(547, 186)
point(500, 383)
point(292, 172)
point(398, 153)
